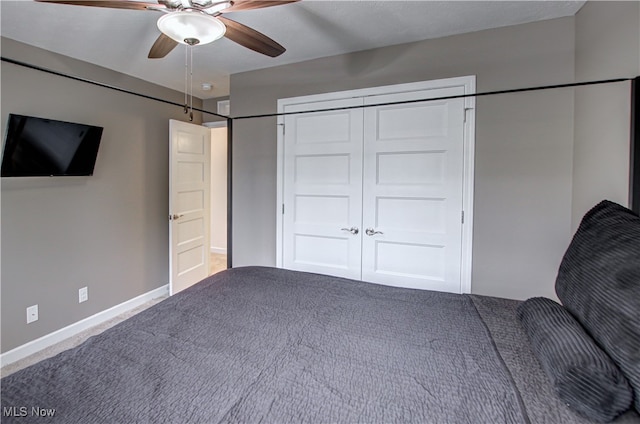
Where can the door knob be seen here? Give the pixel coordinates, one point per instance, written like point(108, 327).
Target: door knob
point(352, 230)
point(175, 216)
point(372, 232)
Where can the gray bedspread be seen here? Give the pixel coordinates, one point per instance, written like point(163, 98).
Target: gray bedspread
point(263, 345)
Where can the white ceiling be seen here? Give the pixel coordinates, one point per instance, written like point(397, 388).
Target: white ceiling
point(121, 39)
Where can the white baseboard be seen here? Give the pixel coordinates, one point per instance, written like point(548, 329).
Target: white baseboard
point(219, 250)
point(57, 336)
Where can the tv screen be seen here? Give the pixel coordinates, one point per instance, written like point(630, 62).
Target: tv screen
point(37, 147)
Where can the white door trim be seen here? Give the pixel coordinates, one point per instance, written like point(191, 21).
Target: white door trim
point(215, 124)
point(469, 85)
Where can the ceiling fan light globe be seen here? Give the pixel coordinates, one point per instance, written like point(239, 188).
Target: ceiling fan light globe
point(184, 27)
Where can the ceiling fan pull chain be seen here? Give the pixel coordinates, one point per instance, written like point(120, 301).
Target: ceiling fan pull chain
point(186, 70)
point(191, 84)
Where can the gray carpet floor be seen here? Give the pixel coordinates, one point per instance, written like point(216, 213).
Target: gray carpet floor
point(73, 341)
point(218, 263)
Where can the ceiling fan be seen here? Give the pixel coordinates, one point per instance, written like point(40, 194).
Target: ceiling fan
point(195, 22)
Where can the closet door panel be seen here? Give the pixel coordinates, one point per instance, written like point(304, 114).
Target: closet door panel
point(323, 189)
point(412, 191)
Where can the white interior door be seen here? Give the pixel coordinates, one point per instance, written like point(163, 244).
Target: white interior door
point(189, 186)
point(412, 192)
point(322, 181)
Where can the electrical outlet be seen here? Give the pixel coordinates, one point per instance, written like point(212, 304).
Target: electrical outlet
point(32, 314)
point(83, 294)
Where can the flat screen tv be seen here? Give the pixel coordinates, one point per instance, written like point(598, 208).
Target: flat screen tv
point(38, 147)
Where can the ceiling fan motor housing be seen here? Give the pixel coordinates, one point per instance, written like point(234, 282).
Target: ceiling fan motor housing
point(208, 6)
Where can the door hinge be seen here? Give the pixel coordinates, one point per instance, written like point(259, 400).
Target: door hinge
point(466, 109)
point(283, 209)
point(462, 217)
point(283, 130)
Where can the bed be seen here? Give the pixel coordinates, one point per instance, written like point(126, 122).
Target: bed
point(266, 345)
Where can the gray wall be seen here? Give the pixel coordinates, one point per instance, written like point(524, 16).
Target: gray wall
point(524, 144)
point(211, 105)
point(109, 231)
point(607, 46)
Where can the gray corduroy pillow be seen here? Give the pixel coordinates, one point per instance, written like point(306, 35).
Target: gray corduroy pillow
point(599, 283)
point(582, 374)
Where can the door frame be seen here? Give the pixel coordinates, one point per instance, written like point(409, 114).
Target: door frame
point(469, 85)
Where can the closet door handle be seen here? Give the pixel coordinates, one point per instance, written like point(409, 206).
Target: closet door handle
point(372, 232)
point(352, 230)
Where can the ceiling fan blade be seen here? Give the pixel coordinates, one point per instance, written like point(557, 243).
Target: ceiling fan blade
point(162, 47)
point(239, 5)
point(250, 38)
point(113, 4)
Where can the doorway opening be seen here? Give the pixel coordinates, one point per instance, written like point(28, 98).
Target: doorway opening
point(218, 240)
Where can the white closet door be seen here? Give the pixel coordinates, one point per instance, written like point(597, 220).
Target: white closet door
point(413, 172)
point(323, 189)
